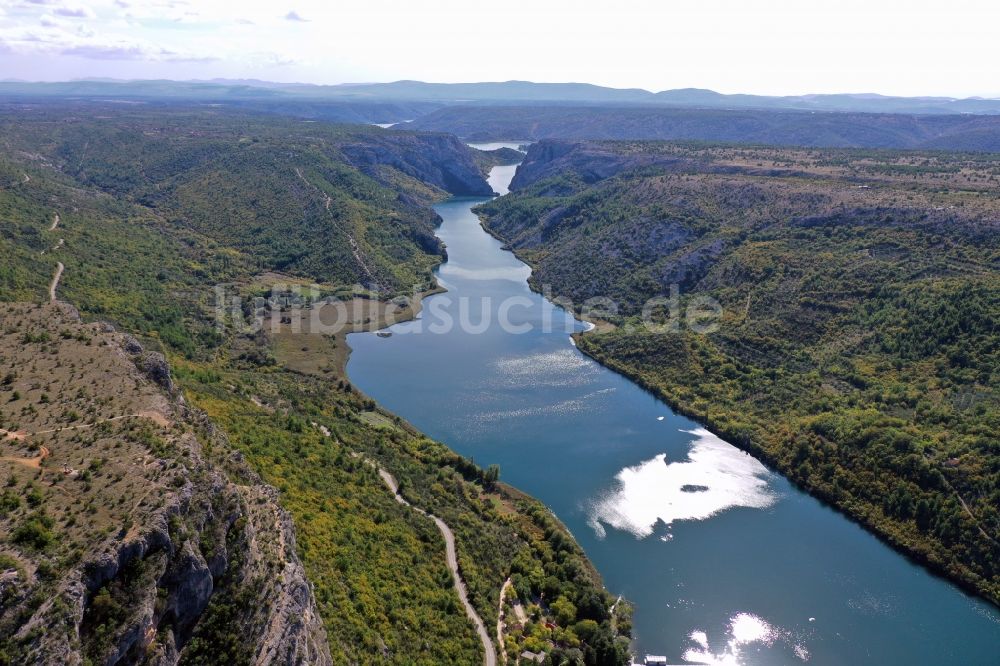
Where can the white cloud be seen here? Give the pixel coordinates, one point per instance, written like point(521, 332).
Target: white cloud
point(78, 11)
point(758, 46)
point(108, 51)
point(83, 42)
point(268, 59)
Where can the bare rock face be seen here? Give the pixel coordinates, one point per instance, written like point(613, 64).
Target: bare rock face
point(130, 344)
point(156, 368)
point(191, 585)
point(179, 547)
point(293, 630)
point(590, 161)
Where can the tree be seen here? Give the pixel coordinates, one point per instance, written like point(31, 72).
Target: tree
point(491, 476)
point(564, 610)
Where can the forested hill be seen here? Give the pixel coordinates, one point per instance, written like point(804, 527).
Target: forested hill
point(858, 345)
point(134, 215)
point(338, 203)
point(753, 126)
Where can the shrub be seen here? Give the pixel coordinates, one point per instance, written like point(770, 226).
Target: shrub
point(35, 531)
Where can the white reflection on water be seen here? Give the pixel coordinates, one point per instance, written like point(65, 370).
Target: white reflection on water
point(744, 629)
point(518, 275)
point(716, 476)
point(562, 367)
point(572, 406)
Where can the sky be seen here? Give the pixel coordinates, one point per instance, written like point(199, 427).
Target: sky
point(910, 47)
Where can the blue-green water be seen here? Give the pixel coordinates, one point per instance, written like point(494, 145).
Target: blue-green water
point(725, 561)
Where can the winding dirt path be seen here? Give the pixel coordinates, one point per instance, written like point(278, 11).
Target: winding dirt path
point(965, 507)
point(44, 452)
point(500, 641)
point(35, 462)
point(489, 652)
point(355, 248)
point(968, 511)
point(154, 416)
point(62, 241)
point(55, 281)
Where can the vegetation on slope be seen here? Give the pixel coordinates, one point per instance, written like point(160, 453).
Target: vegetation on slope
point(858, 346)
point(160, 204)
point(355, 538)
point(147, 257)
point(335, 203)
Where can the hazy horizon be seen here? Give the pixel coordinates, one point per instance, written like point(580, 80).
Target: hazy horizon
point(251, 80)
point(755, 47)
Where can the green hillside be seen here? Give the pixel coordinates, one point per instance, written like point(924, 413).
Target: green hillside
point(156, 207)
point(857, 348)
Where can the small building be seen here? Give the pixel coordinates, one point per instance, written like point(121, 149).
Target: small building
point(537, 657)
point(655, 660)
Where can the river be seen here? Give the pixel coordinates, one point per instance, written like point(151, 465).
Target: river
point(725, 561)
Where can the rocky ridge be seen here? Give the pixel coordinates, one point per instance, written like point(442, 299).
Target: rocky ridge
point(144, 539)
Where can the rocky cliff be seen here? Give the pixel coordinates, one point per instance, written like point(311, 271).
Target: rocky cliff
point(440, 160)
point(588, 161)
point(129, 531)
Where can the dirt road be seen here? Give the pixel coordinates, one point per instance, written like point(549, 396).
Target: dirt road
point(489, 652)
point(55, 281)
point(35, 462)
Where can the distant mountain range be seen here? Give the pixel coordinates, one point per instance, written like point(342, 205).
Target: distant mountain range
point(507, 92)
point(532, 122)
point(522, 110)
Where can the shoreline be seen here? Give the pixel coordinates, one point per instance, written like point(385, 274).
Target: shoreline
point(598, 325)
point(504, 489)
point(413, 311)
point(897, 543)
point(340, 353)
point(925, 560)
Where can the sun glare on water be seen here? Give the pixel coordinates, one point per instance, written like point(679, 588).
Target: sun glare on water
point(744, 630)
point(715, 477)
